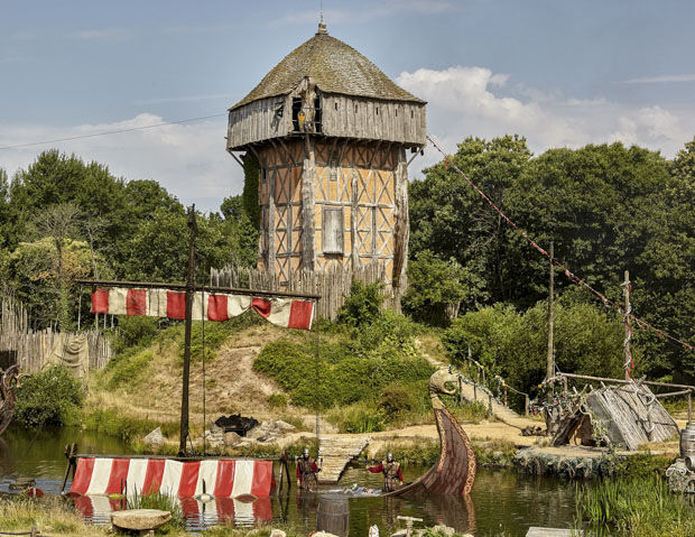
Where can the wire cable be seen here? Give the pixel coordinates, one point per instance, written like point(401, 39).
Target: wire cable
point(568, 274)
point(108, 133)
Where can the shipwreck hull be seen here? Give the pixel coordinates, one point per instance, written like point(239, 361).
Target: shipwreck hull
point(456, 468)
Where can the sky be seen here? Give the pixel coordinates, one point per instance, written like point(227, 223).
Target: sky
point(561, 73)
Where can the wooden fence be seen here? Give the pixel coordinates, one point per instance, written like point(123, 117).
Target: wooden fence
point(32, 348)
point(332, 285)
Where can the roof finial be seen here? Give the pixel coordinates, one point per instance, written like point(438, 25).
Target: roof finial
point(322, 24)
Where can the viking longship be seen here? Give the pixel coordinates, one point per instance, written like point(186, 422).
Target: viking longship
point(454, 472)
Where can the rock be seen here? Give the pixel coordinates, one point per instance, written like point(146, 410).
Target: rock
point(155, 438)
point(139, 519)
point(231, 439)
point(441, 529)
point(322, 534)
point(277, 533)
point(215, 439)
point(284, 426)
point(215, 429)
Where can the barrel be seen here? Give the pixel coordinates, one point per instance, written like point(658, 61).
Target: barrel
point(333, 515)
point(688, 445)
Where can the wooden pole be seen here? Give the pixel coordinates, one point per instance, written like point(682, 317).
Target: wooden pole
point(190, 282)
point(550, 370)
point(628, 328)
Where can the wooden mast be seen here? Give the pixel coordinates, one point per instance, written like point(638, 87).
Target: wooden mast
point(550, 370)
point(190, 283)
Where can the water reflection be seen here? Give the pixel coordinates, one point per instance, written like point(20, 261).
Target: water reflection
point(501, 500)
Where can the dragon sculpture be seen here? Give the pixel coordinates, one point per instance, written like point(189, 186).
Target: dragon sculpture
point(8, 384)
point(454, 472)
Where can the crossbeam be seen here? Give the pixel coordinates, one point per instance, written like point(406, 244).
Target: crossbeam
point(206, 288)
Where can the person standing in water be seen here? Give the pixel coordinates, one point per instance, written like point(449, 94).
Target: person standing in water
point(393, 478)
point(307, 472)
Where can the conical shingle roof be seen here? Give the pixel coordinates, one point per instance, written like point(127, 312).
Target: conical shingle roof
point(334, 67)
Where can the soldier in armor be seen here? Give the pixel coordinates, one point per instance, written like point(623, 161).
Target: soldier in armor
point(307, 471)
point(391, 469)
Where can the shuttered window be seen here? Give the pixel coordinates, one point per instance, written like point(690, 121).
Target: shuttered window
point(332, 231)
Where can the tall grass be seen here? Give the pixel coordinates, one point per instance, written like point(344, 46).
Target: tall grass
point(161, 502)
point(633, 507)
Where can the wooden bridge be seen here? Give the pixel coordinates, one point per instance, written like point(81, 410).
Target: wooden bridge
point(336, 451)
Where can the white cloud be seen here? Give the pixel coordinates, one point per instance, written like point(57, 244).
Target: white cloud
point(189, 160)
point(665, 79)
point(474, 101)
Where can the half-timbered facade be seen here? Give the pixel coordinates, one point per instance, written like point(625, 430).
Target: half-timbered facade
point(332, 135)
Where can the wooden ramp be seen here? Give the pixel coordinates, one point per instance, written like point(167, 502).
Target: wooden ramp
point(473, 393)
point(336, 451)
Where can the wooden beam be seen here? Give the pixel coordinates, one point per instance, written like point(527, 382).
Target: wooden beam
point(206, 288)
point(236, 158)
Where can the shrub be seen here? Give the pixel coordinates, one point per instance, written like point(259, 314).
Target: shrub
point(277, 400)
point(50, 397)
point(127, 367)
point(396, 399)
point(363, 305)
point(134, 331)
point(358, 418)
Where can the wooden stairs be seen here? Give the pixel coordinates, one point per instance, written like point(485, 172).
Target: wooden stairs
point(336, 451)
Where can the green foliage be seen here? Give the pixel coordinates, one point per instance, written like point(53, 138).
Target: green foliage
point(355, 366)
point(635, 506)
point(111, 422)
point(277, 401)
point(216, 333)
point(607, 208)
point(127, 368)
point(424, 453)
point(360, 417)
point(436, 288)
point(161, 502)
point(396, 398)
point(514, 345)
point(134, 331)
point(50, 397)
point(249, 196)
point(363, 305)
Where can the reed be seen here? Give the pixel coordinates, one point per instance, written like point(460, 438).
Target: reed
point(633, 507)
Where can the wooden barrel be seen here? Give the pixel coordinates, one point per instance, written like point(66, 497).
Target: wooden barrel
point(688, 440)
point(333, 515)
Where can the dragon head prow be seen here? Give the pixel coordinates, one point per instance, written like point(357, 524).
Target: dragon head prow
point(440, 380)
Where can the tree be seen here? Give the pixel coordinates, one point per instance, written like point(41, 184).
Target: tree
point(436, 288)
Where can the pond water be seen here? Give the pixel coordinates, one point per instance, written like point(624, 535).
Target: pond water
point(502, 501)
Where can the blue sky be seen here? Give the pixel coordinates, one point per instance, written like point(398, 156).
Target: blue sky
point(561, 73)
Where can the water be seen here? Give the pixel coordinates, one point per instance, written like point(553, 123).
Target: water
point(502, 501)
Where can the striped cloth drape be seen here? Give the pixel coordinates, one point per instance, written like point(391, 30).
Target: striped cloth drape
point(288, 313)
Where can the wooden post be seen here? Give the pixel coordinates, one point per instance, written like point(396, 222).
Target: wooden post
point(628, 328)
point(550, 369)
point(190, 282)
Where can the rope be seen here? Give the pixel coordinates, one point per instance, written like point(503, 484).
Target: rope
point(629, 363)
point(568, 274)
point(202, 299)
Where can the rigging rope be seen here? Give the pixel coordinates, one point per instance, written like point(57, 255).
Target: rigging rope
point(568, 274)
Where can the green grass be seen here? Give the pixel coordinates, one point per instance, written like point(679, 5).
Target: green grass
point(111, 422)
point(634, 507)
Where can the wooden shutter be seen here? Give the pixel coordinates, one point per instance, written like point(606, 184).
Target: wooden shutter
point(332, 236)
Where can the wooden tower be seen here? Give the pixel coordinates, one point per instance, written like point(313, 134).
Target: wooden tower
point(330, 132)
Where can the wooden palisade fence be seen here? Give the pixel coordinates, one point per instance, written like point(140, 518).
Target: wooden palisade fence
point(332, 284)
point(31, 349)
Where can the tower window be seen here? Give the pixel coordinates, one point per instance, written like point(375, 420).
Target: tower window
point(296, 109)
point(355, 109)
point(411, 114)
point(377, 110)
point(335, 105)
point(332, 231)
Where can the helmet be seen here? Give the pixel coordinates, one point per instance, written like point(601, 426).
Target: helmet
point(389, 457)
point(306, 453)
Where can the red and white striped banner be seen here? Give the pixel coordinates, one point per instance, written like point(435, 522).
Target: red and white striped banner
point(288, 313)
point(224, 478)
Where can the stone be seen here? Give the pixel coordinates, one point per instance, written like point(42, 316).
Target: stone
point(154, 438)
point(215, 429)
point(284, 426)
point(142, 520)
point(277, 533)
point(231, 439)
point(215, 439)
point(322, 534)
point(441, 529)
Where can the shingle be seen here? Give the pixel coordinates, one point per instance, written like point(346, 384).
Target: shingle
point(334, 67)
